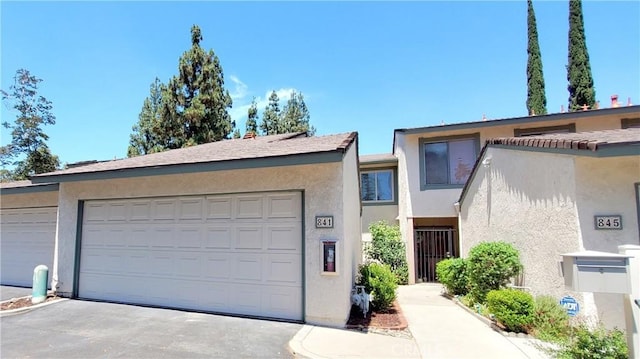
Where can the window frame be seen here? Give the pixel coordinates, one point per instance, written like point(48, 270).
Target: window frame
point(394, 187)
point(422, 158)
point(538, 131)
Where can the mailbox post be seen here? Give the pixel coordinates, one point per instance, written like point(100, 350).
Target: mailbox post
point(603, 272)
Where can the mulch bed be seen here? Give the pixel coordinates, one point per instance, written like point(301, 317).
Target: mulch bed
point(392, 319)
point(23, 302)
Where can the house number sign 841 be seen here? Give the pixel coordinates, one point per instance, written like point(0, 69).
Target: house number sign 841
point(324, 221)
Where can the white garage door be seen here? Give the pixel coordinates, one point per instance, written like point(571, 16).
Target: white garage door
point(239, 254)
point(27, 239)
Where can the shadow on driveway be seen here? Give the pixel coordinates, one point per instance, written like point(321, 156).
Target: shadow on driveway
point(83, 329)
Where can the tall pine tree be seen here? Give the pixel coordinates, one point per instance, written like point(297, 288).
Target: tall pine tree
point(295, 116)
point(193, 105)
point(536, 97)
point(581, 89)
point(147, 133)
point(252, 118)
point(271, 116)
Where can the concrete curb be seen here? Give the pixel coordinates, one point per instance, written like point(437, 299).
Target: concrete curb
point(295, 344)
point(6, 313)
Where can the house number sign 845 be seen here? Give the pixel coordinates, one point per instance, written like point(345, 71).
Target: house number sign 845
point(608, 222)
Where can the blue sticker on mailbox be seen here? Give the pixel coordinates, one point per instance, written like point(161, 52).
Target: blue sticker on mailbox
point(571, 305)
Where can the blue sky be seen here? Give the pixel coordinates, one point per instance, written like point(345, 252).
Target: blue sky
point(369, 67)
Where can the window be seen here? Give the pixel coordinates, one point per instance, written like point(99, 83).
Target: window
point(376, 186)
point(630, 122)
point(537, 131)
point(448, 162)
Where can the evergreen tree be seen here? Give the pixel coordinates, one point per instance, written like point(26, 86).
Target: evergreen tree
point(193, 105)
point(147, 133)
point(252, 118)
point(271, 116)
point(536, 98)
point(236, 133)
point(295, 116)
point(28, 139)
point(581, 89)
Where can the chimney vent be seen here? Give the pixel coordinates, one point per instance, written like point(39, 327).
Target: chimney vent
point(629, 101)
point(562, 108)
point(614, 101)
point(249, 135)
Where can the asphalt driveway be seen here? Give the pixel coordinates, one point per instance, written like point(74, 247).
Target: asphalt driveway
point(84, 329)
point(7, 292)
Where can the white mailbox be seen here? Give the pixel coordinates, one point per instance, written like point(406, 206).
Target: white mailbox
point(598, 272)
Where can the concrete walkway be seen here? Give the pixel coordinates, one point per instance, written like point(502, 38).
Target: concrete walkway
point(440, 329)
point(7, 292)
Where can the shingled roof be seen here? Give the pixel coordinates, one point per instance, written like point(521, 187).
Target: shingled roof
point(236, 150)
point(592, 141)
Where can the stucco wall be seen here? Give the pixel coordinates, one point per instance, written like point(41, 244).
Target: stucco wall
point(25, 200)
point(326, 301)
point(606, 186)
point(353, 222)
point(544, 204)
point(375, 213)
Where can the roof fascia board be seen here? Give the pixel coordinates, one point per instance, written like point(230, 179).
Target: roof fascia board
point(49, 187)
point(521, 120)
point(604, 150)
point(251, 163)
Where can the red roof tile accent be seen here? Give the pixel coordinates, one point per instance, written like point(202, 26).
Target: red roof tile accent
point(591, 141)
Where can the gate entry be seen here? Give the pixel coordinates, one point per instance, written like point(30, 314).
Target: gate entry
point(431, 246)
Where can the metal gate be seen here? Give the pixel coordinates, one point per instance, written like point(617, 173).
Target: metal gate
point(432, 245)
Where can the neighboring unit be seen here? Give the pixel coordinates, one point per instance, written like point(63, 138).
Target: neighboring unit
point(554, 194)
point(435, 162)
point(27, 230)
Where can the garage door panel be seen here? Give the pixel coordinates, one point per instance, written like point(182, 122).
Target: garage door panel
point(27, 239)
point(217, 266)
point(248, 268)
point(164, 210)
point(283, 206)
point(239, 254)
point(219, 207)
point(117, 212)
point(284, 237)
point(218, 237)
point(249, 207)
point(190, 209)
point(282, 269)
point(95, 212)
point(248, 237)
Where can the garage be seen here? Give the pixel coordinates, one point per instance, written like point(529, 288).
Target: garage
point(234, 253)
point(28, 239)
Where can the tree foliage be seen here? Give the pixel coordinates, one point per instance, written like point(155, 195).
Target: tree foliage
point(252, 118)
point(388, 248)
point(581, 88)
point(146, 137)
point(293, 117)
point(28, 138)
point(193, 105)
point(536, 97)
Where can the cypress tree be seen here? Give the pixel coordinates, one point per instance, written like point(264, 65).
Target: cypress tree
point(581, 89)
point(536, 98)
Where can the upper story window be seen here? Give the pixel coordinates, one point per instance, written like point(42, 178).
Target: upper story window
point(630, 122)
point(376, 186)
point(447, 162)
point(537, 131)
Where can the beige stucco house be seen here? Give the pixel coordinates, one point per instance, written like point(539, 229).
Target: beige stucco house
point(435, 162)
point(554, 194)
point(266, 226)
point(379, 190)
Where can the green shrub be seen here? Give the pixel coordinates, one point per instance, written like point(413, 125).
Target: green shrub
point(378, 280)
point(387, 247)
point(453, 275)
point(513, 308)
point(595, 344)
point(490, 265)
point(550, 320)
